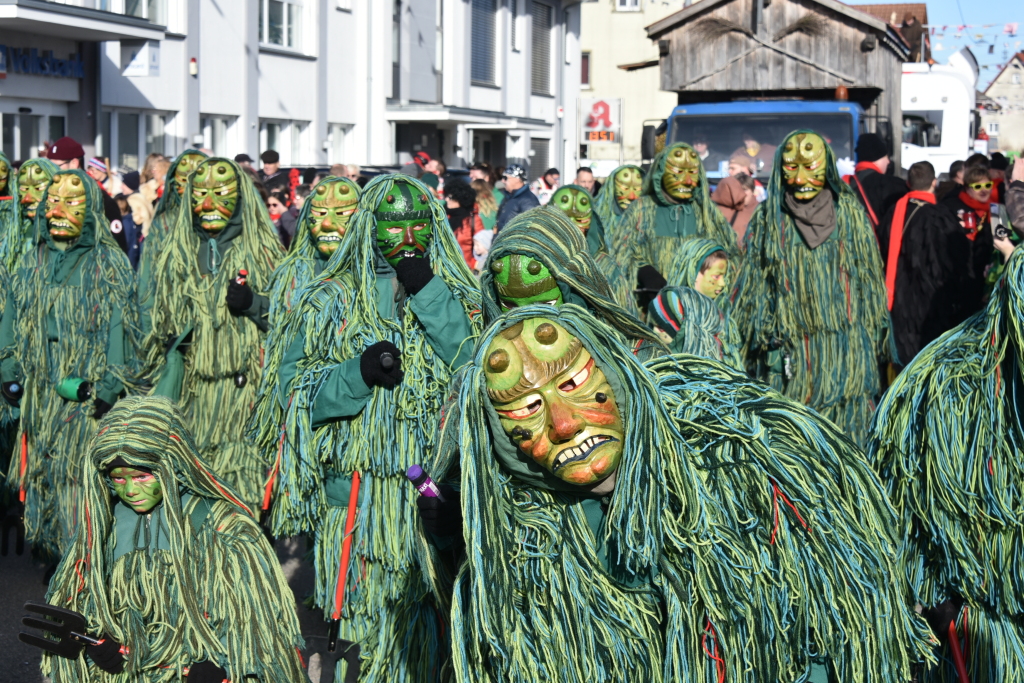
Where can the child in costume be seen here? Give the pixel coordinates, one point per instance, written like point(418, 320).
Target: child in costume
point(67, 349)
point(208, 313)
point(662, 523)
point(689, 318)
point(810, 299)
point(364, 361)
point(947, 439)
point(169, 568)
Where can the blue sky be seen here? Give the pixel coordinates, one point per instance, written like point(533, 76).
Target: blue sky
point(974, 13)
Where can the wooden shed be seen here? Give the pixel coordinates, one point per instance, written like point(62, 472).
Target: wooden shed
point(723, 50)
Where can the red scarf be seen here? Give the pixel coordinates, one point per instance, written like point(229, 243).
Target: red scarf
point(867, 165)
point(980, 208)
point(896, 238)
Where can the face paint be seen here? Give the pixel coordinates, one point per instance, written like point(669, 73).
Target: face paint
point(714, 280)
point(804, 165)
point(214, 194)
point(575, 204)
point(333, 205)
point(681, 173)
point(65, 208)
point(186, 165)
point(404, 223)
point(628, 184)
point(522, 280)
point(140, 490)
point(32, 182)
point(5, 172)
point(554, 401)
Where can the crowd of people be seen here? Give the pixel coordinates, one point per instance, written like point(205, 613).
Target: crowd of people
point(639, 428)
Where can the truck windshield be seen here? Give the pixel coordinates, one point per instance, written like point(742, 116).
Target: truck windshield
point(757, 135)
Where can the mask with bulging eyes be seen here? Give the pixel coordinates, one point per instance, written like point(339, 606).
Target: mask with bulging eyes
point(804, 165)
point(523, 280)
point(32, 182)
point(576, 204)
point(214, 194)
point(682, 173)
point(186, 165)
point(66, 204)
point(628, 185)
point(333, 205)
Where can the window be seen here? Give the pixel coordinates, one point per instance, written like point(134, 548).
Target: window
point(627, 5)
point(21, 135)
point(992, 128)
point(155, 133)
point(1015, 79)
point(290, 139)
point(216, 130)
point(482, 64)
point(585, 70)
point(538, 157)
point(280, 22)
point(150, 10)
point(336, 134)
point(128, 140)
point(396, 52)
point(541, 58)
point(56, 128)
point(513, 19)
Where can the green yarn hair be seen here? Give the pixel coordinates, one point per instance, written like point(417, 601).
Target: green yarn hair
point(217, 594)
point(223, 345)
point(56, 431)
point(11, 239)
point(616, 266)
point(824, 309)
point(605, 204)
point(24, 238)
point(946, 438)
point(697, 325)
point(595, 237)
point(744, 532)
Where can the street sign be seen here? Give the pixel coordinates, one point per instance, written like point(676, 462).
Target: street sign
point(601, 120)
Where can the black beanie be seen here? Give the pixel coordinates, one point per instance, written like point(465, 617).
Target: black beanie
point(870, 147)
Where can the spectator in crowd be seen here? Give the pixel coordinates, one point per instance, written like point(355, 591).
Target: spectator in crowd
point(417, 167)
point(98, 171)
point(481, 248)
point(759, 157)
point(353, 173)
point(917, 38)
point(338, 171)
point(742, 164)
point(438, 168)
point(271, 175)
point(546, 185)
point(243, 160)
point(735, 199)
point(481, 170)
point(709, 159)
point(518, 199)
point(155, 167)
point(132, 233)
point(997, 172)
point(954, 184)
point(463, 217)
point(972, 208)
point(301, 194)
point(284, 216)
point(876, 190)
point(585, 179)
point(499, 179)
point(1015, 194)
point(486, 202)
point(431, 181)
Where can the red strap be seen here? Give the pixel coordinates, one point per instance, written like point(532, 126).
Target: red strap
point(867, 166)
point(896, 239)
point(346, 547)
point(867, 204)
point(23, 466)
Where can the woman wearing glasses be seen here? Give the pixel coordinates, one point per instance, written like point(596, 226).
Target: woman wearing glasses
point(972, 207)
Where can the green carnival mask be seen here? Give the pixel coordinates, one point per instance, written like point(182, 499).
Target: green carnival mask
point(804, 164)
point(522, 280)
point(333, 205)
point(405, 223)
point(5, 172)
point(186, 165)
point(32, 182)
point(214, 194)
point(713, 281)
point(576, 204)
point(682, 173)
point(554, 402)
point(628, 184)
point(65, 208)
point(140, 490)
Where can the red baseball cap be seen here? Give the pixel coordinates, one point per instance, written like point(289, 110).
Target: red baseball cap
point(65, 149)
point(422, 158)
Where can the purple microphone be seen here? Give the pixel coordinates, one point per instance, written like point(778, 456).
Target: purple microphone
point(423, 483)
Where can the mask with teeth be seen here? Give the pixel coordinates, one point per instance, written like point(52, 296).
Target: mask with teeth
point(214, 194)
point(522, 280)
point(628, 184)
point(5, 172)
point(554, 402)
point(576, 204)
point(404, 223)
point(65, 208)
point(804, 164)
point(333, 205)
point(682, 173)
point(32, 182)
point(186, 165)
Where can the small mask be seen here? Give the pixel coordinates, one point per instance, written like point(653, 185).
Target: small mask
point(804, 164)
point(333, 204)
point(214, 194)
point(5, 172)
point(186, 165)
point(522, 280)
point(138, 489)
point(713, 281)
point(554, 402)
point(65, 208)
point(32, 182)
point(682, 173)
point(628, 184)
point(405, 223)
point(576, 205)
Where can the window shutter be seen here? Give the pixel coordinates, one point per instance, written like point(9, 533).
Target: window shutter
point(538, 156)
point(482, 58)
point(541, 63)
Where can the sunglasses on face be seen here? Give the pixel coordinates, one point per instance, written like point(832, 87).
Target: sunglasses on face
point(981, 186)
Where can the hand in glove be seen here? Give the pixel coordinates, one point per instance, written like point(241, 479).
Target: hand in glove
point(12, 392)
point(108, 655)
point(441, 518)
point(649, 282)
point(206, 672)
point(414, 273)
point(239, 298)
point(101, 408)
point(373, 360)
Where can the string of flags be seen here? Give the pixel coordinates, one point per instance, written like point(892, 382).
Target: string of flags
point(1009, 29)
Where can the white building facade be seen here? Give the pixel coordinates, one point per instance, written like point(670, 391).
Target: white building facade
point(369, 82)
point(1005, 126)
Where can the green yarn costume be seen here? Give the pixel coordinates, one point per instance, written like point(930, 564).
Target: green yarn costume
point(617, 263)
point(356, 302)
point(23, 237)
point(595, 235)
point(946, 438)
point(190, 282)
point(743, 528)
point(607, 207)
point(204, 584)
point(813, 322)
point(10, 251)
point(69, 314)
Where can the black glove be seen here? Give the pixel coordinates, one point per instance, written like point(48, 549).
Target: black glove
point(182, 347)
point(12, 392)
point(206, 672)
point(414, 273)
point(84, 391)
point(939, 616)
point(441, 518)
point(102, 408)
point(239, 298)
point(371, 365)
point(107, 655)
point(649, 282)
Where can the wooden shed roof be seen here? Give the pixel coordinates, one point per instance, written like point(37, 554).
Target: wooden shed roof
point(658, 28)
point(885, 11)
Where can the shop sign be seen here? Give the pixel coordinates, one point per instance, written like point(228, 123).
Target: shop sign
point(30, 62)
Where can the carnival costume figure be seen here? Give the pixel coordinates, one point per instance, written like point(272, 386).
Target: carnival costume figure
point(663, 523)
point(622, 187)
point(33, 178)
point(10, 250)
point(208, 314)
point(364, 362)
point(810, 300)
point(576, 203)
point(67, 349)
point(169, 569)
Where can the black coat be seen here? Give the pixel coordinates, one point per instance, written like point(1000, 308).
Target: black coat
point(933, 276)
point(514, 204)
point(883, 191)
